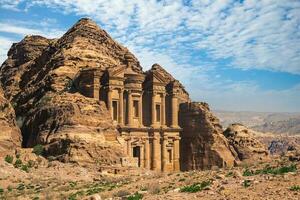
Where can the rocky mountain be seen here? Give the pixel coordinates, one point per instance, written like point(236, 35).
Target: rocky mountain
point(279, 123)
point(39, 79)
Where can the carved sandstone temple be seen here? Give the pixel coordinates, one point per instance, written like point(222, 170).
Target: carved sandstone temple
point(144, 106)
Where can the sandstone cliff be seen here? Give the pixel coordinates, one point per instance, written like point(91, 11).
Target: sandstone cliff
point(243, 141)
point(10, 136)
point(202, 144)
point(38, 79)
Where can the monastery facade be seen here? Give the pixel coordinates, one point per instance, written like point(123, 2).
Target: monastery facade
point(144, 106)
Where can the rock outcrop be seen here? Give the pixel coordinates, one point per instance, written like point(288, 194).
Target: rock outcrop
point(10, 136)
point(202, 144)
point(38, 78)
point(248, 149)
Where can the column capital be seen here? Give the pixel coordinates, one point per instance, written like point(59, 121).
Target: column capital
point(110, 88)
point(121, 90)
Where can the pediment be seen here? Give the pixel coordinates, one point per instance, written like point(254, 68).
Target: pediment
point(117, 71)
point(158, 78)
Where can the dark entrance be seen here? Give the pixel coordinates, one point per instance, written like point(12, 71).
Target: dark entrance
point(136, 154)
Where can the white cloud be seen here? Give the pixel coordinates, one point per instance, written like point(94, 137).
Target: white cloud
point(4, 47)
point(254, 34)
point(10, 5)
point(24, 30)
point(249, 97)
point(19, 29)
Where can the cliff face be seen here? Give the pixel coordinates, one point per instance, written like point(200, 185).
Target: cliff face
point(38, 78)
point(10, 136)
point(202, 142)
point(248, 149)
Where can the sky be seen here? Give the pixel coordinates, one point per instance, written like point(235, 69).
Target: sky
point(235, 55)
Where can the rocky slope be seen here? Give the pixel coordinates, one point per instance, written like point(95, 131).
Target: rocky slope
point(38, 79)
point(289, 126)
point(10, 136)
point(278, 123)
point(248, 149)
point(202, 144)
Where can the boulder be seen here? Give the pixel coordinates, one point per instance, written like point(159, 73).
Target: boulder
point(243, 141)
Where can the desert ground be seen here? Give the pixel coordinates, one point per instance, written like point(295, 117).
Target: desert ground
point(43, 179)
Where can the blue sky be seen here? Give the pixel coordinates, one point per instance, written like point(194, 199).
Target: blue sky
point(235, 55)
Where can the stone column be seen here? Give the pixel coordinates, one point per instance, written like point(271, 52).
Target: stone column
point(129, 111)
point(142, 156)
point(147, 154)
point(163, 110)
point(176, 163)
point(121, 109)
point(153, 116)
point(141, 110)
point(96, 85)
point(174, 122)
point(164, 153)
point(109, 101)
point(129, 151)
point(156, 152)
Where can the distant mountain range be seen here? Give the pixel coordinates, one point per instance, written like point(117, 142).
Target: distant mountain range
point(279, 123)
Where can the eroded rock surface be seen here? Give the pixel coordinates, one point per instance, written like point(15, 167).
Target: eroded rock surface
point(10, 135)
point(202, 144)
point(243, 141)
point(38, 79)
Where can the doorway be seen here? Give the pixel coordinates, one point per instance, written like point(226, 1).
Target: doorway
point(136, 154)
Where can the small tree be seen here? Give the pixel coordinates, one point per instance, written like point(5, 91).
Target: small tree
point(38, 149)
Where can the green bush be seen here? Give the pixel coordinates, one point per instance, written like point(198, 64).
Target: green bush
point(196, 187)
point(246, 183)
point(18, 163)
point(271, 170)
point(295, 188)
point(1, 190)
point(229, 174)
point(72, 184)
point(9, 159)
point(30, 163)
point(25, 168)
point(135, 196)
point(38, 149)
point(94, 190)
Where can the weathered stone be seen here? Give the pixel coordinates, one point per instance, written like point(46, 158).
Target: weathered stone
point(247, 147)
point(10, 136)
point(203, 144)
